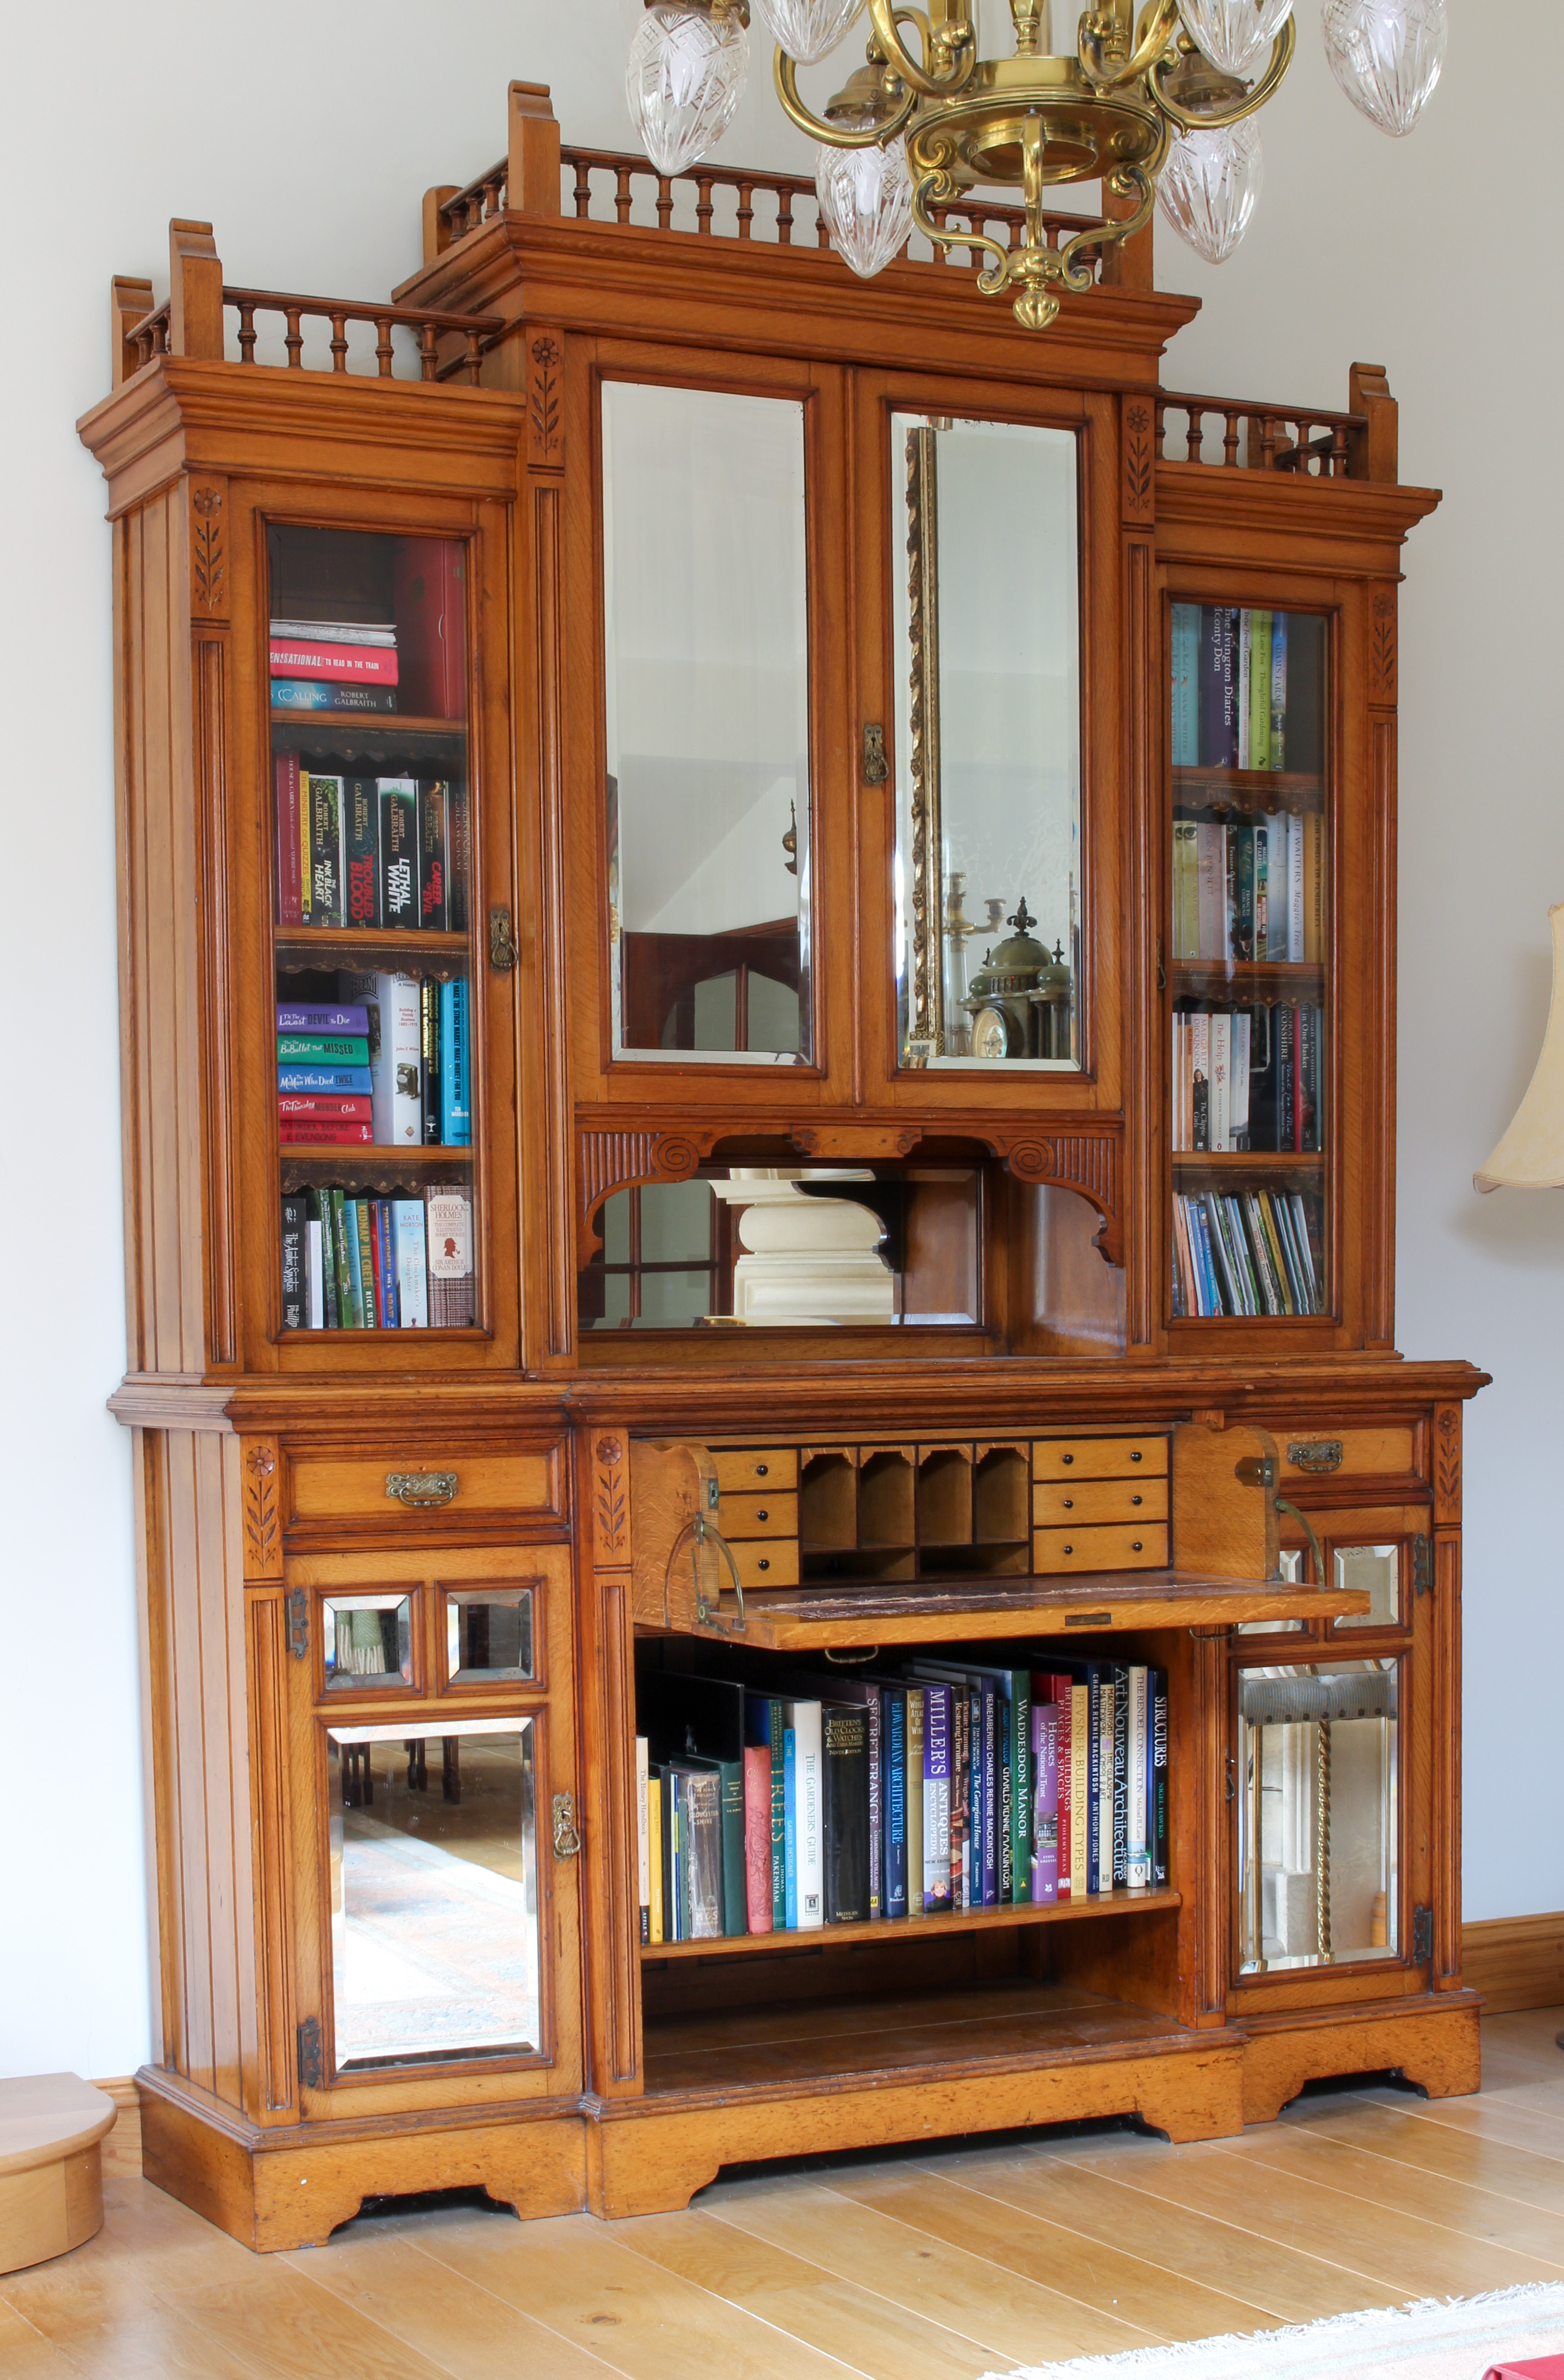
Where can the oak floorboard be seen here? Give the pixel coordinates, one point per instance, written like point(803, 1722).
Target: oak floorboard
point(1011, 2319)
point(1286, 2284)
point(1486, 2116)
point(1456, 2206)
point(25, 2353)
point(1472, 2159)
point(873, 2331)
point(1163, 2304)
point(1399, 2251)
point(578, 2279)
point(466, 2331)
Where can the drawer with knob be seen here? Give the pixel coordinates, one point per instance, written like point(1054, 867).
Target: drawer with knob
point(1126, 1545)
point(1099, 1458)
point(765, 1562)
point(769, 1515)
point(1076, 1503)
point(756, 1470)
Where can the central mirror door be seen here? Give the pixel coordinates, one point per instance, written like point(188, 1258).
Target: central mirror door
point(987, 622)
point(707, 682)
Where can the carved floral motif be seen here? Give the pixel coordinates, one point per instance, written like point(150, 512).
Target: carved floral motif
point(610, 1500)
point(1382, 650)
point(544, 405)
point(208, 591)
point(262, 1544)
point(1139, 464)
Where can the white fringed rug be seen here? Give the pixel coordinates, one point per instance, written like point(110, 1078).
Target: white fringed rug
point(1454, 2339)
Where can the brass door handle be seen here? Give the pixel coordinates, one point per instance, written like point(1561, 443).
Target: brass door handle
point(567, 1841)
point(502, 941)
point(416, 1488)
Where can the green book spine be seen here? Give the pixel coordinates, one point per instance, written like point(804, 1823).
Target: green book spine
point(324, 1048)
point(319, 1210)
point(1260, 692)
point(344, 1268)
point(355, 1271)
point(735, 1906)
point(366, 1265)
point(1020, 1784)
point(774, 1734)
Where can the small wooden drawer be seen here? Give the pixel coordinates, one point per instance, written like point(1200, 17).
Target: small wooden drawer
point(1099, 1458)
point(746, 1470)
point(427, 1483)
point(759, 1516)
point(1348, 1453)
point(1075, 1503)
point(1124, 1547)
point(766, 1561)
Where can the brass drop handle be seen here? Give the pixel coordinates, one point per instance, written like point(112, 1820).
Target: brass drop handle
point(502, 941)
point(1317, 1454)
point(420, 1488)
point(567, 1841)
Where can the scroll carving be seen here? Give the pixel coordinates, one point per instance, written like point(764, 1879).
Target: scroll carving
point(612, 1161)
point(1139, 495)
point(262, 1527)
point(1382, 649)
point(209, 560)
point(546, 403)
point(1087, 1162)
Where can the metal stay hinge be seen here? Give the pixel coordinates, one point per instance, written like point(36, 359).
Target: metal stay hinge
point(1422, 1935)
point(1422, 1565)
point(310, 2054)
point(299, 1624)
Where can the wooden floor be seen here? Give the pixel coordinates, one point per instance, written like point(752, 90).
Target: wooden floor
point(928, 2266)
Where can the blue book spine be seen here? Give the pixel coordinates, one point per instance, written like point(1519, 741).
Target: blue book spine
point(1093, 1769)
point(455, 1109)
point(1278, 690)
point(355, 1264)
point(791, 1825)
point(337, 1079)
point(893, 1802)
point(1185, 686)
point(993, 1788)
point(672, 1926)
point(1213, 1294)
point(390, 1316)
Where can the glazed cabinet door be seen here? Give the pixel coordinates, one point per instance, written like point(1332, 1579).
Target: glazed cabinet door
point(434, 1819)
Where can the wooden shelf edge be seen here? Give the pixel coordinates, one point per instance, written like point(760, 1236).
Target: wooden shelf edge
point(903, 1930)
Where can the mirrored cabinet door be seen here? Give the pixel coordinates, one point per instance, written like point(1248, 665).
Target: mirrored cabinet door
point(706, 678)
point(987, 649)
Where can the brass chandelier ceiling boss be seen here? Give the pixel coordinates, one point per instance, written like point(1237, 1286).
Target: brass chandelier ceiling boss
point(1158, 109)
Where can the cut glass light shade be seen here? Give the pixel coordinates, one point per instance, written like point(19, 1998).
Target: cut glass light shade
point(1386, 56)
point(1209, 186)
point(686, 76)
point(866, 198)
point(808, 29)
point(1235, 34)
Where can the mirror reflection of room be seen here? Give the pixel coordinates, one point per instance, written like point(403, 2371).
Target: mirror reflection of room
point(1318, 1829)
point(706, 606)
point(986, 580)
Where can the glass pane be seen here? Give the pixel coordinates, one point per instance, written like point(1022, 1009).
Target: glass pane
point(488, 1633)
point(1317, 1814)
point(374, 896)
point(988, 744)
point(706, 586)
point(367, 1639)
point(1290, 1567)
point(1249, 980)
point(433, 1892)
point(1377, 1568)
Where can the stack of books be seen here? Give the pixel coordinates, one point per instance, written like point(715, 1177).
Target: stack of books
point(1247, 1079)
point(946, 1787)
point(388, 1065)
point(1247, 1252)
point(1249, 889)
point(333, 666)
point(352, 1263)
point(1229, 687)
point(371, 850)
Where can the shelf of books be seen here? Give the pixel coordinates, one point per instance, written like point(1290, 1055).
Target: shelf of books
point(372, 932)
point(1249, 973)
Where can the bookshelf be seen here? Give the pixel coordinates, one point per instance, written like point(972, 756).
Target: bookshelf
point(812, 1241)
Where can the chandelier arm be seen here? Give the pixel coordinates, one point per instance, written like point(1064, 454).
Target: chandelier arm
point(822, 128)
point(1281, 58)
point(887, 20)
point(1130, 181)
point(937, 185)
point(1157, 33)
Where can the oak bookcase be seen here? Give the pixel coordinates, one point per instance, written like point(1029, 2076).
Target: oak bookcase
point(539, 1459)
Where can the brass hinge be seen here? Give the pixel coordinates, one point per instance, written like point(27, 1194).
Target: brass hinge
point(1422, 1565)
point(299, 1624)
point(310, 2054)
point(1422, 1935)
point(877, 766)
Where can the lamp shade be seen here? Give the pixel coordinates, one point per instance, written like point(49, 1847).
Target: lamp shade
point(1531, 1155)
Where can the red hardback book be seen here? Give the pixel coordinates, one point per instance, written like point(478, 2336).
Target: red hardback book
point(757, 1836)
point(290, 877)
point(351, 664)
point(429, 591)
point(1546, 2367)
point(325, 1107)
point(323, 1131)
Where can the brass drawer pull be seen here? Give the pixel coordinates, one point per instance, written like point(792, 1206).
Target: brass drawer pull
point(567, 1841)
point(419, 1487)
point(1317, 1454)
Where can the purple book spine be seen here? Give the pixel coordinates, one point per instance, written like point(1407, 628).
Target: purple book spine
point(1044, 1801)
point(1218, 687)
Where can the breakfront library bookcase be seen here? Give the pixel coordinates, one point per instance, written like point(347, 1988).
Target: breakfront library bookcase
point(889, 821)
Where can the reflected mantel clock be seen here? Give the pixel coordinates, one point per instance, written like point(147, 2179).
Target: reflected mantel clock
point(759, 1008)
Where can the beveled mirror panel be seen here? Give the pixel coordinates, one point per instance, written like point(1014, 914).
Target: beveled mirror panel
point(1379, 1568)
point(434, 1939)
point(366, 1641)
point(1318, 1827)
point(706, 690)
point(987, 615)
point(488, 1634)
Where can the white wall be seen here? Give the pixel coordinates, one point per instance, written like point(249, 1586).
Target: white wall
point(307, 133)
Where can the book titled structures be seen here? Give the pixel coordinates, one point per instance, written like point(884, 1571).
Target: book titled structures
point(944, 1786)
point(386, 852)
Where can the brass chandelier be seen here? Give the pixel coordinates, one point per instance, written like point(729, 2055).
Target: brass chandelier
point(1156, 109)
